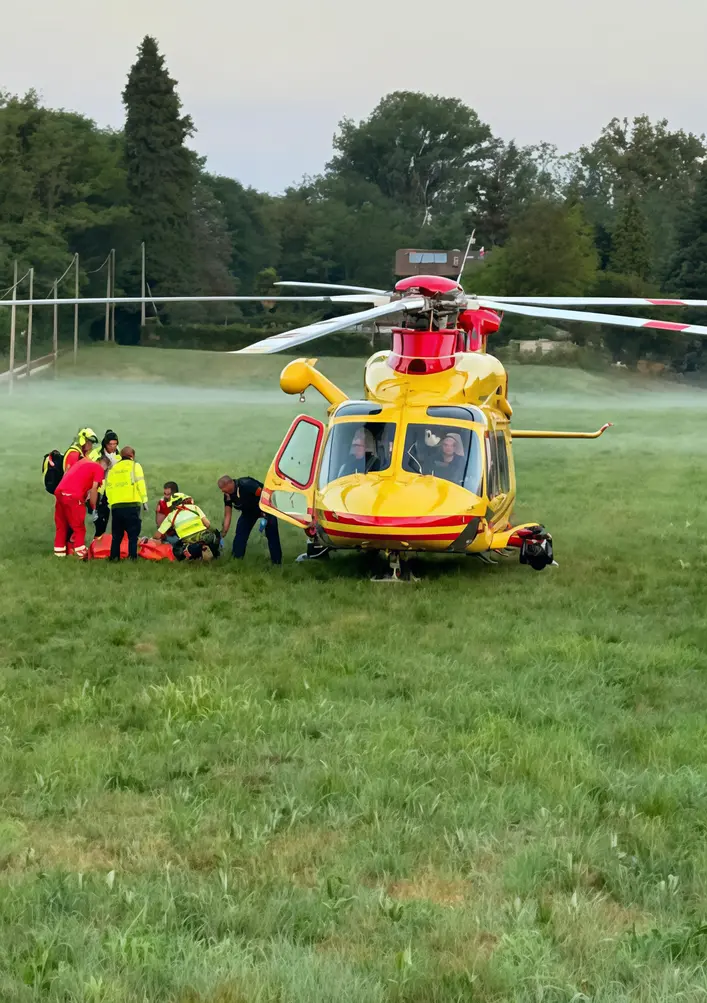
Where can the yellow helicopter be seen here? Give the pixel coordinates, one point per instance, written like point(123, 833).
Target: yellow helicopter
point(424, 460)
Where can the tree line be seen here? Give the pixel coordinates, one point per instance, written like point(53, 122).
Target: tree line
point(625, 215)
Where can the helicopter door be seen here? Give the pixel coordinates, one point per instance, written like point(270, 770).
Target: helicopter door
point(288, 492)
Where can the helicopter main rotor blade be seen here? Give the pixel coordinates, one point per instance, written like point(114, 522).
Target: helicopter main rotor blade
point(329, 285)
point(100, 300)
point(591, 318)
point(596, 301)
point(297, 336)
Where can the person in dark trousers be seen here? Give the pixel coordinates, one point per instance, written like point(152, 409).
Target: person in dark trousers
point(243, 494)
point(127, 496)
point(109, 449)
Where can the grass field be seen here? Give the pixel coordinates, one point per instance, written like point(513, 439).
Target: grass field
point(234, 783)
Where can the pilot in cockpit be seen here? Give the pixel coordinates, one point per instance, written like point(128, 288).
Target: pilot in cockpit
point(450, 460)
point(362, 458)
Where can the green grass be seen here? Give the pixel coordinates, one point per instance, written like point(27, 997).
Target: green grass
point(236, 783)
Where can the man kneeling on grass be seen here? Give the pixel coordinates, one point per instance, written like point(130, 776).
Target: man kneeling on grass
point(196, 539)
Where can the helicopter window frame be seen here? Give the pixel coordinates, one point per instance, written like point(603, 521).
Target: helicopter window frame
point(324, 479)
point(349, 409)
point(316, 452)
point(457, 412)
point(498, 474)
point(474, 452)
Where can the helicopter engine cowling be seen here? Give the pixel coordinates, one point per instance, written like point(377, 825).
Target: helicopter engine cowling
point(423, 352)
point(478, 324)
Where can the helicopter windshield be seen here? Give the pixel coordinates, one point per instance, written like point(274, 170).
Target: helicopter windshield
point(354, 448)
point(444, 451)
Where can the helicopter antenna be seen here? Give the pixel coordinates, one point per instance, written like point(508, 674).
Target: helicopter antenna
point(466, 255)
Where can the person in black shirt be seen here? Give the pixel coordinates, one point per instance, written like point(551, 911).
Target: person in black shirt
point(243, 494)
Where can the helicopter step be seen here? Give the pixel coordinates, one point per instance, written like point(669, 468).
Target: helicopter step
point(315, 552)
point(485, 558)
point(398, 571)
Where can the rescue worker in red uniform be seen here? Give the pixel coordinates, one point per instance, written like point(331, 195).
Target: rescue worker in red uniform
point(79, 484)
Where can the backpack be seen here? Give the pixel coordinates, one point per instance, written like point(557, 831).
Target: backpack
point(52, 470)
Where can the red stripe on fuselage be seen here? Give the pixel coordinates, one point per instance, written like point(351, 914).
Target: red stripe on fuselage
point(666, 302)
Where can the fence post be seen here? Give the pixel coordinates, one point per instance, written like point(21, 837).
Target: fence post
point(55, 331)
point(76, 310)
point(112, 284)
point(29, 323)
point(106, 334)
point(143, 305)
point(13, 329)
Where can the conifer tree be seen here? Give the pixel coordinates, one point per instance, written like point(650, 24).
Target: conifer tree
point(688, 266)
point(161, 171)
point(630, 251)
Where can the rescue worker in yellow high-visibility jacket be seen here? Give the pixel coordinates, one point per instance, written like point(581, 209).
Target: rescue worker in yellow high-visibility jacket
point(197, 540)
point(127, 495)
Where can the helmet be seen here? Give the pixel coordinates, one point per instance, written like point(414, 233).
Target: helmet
point(86, 435)
point(177, 499)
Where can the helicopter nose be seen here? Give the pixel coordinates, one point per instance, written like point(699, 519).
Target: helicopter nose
point(428, 512)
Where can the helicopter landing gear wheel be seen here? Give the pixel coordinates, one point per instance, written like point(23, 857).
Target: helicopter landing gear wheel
point(536, 550)
point(398, 572)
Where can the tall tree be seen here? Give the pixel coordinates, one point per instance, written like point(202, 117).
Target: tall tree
point(549, 252)
point(161, 171)
point(509, 182)
point(631, 251)
point(423, 151)
point(252, 231)
point(659, 165)
point(687, 273)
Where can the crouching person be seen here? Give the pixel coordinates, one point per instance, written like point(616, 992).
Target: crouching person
point(196, 539)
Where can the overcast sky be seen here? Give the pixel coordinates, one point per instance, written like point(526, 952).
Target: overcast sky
point(266, 82)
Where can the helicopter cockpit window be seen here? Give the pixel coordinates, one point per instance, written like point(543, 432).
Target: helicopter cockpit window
point(357, 407)
point(440, 451)
point(354, 448)
point(457, 413)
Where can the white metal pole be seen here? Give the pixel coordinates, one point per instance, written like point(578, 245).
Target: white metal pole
point(106, 334)
point(13, 328)
point(30, 308)
point(55, 332)
point(76, 310)
point(112, 285)
point(142, 286)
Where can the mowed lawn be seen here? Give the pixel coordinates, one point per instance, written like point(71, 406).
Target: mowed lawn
point(234, 783)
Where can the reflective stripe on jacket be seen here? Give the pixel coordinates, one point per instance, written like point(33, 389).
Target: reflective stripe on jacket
point(72, 449)
point(185, 520)
point(125, 484)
